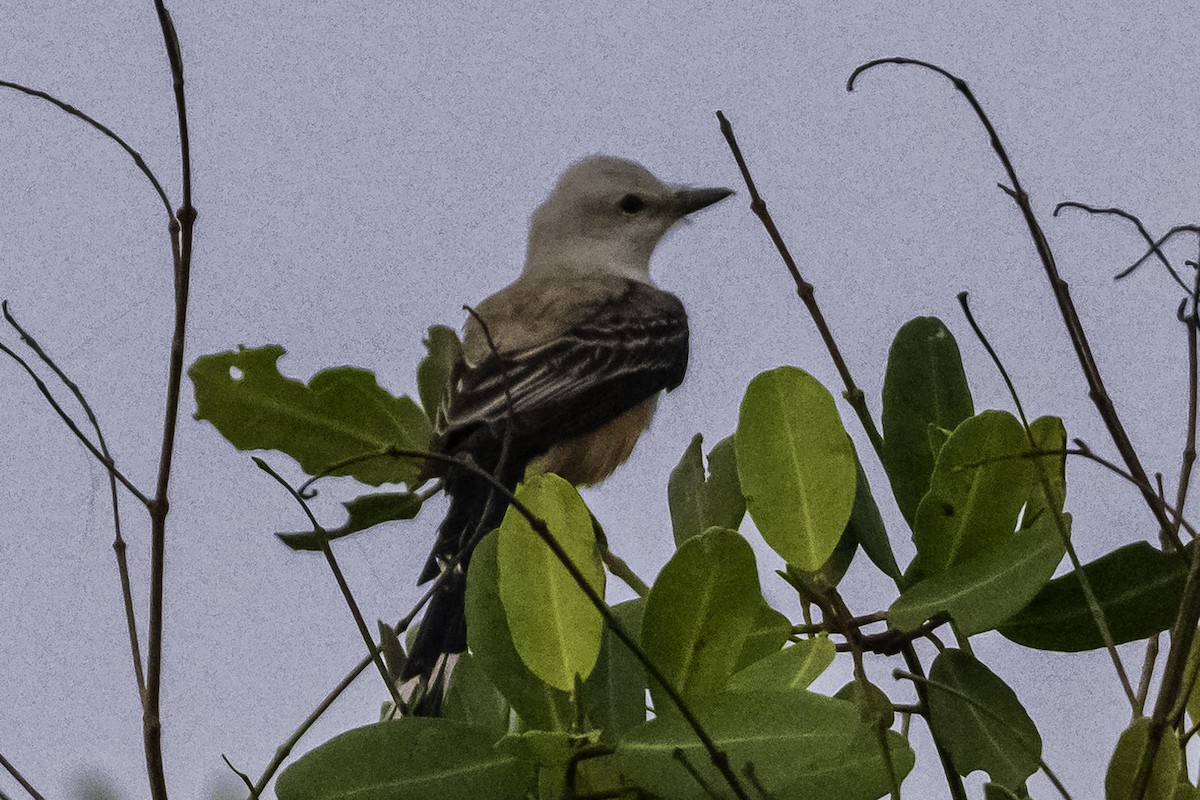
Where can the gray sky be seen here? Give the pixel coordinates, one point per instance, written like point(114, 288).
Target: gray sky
point(363, 169)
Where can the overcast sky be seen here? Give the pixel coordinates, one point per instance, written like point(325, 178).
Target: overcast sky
point(363, 169)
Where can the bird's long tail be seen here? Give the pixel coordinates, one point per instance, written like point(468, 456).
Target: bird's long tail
point(442, 633)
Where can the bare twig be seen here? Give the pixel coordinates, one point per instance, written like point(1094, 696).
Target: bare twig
point(75, 112)
point(1053, 503)
point(1143, 690)
point(19, 778)
point(1062, 294)
point(119, 546)
point(323, 538)
point(1155, 247)
point(805, 290)
point(1032, 748)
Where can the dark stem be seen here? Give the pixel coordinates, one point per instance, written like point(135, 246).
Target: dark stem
point(854, 395)
point(19, 778)
point(953, 779)
point(323, 537)
point(75, 112)
point(118, 541)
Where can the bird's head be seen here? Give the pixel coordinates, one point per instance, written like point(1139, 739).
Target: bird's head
point(610, 213)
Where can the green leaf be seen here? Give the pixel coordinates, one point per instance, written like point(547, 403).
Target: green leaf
point(614, 695)
point(1193, 664)
point(698, 503)
point(793, 667)
point(796, 465)
point(1127, 757)
point(874, 706)
point(554, 625)
point(783, 734)
point(538, 704)
point(391, 650)
point(925, 385)
point(989, 588)
point(550, 751)
point(366, 511)
point(866, 525)
point(1048, 434)
point(860, 772)
point(994, 791)
point(978, 488)
point(980, 722)
point(1138, 587)
point(434, 371)
point(342, 413)
point(770, 632)
point(473, 699)
point(699, 613)
point(409, 759)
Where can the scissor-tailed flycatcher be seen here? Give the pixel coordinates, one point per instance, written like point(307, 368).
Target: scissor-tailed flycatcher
point(582, 343)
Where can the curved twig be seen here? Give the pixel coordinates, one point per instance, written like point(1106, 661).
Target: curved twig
point(104, 129)
point(1155, 247)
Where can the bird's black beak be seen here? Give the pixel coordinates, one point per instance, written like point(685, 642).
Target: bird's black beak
point(690, 200)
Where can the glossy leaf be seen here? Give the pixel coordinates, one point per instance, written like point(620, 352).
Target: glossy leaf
point(796, 465)
point(473, 699)
point(785, 735)
point(793, 667)
point(407, 759)
point(340, 414)
point(1049, 434)
point(989, 588)
point(980, 722)
point(537, 703)
point(699, 614)
point(978, 488)
point(555, 627)
point(769, 633)
point(614, 695)
point(925, 385)
point(1138, 587)
point(860, 772)
point(1126, 758)
point(366, 511)
point(699, 502)
point(866, 525)
point(433, 373)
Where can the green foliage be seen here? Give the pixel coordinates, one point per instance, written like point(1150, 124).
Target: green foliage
point(796, 465)
point(697, 502)
point(413, 759)
point(366, 511)
point(1138, 587)
point(980, 483)
point(699, 613)
point(793, 667)
point(980, 722)
point(555, 627)
point(435, 370)
point(924, 386)
point(341, 414)
point(1165, 774)
point(867, 528)
point(614, 695)
point(538, 704)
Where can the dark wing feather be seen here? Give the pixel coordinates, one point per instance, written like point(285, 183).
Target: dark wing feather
point(628, 349)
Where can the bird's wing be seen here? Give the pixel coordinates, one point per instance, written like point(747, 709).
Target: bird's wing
point(620, 351)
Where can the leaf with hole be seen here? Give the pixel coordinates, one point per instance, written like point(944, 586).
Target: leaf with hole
point(699, 502)
point(365, 511)
point(342, 413)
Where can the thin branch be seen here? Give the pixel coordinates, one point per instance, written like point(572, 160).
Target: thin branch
point(118, 540)
point(1188, 459)
point(1155, 247)
point(323, 538)
point(1062, 294)
point(19, 778)
point(953, 779)
point(75, 112)
point(245, 778)
point(70, 423)
point(1031, 748)
point(285, 749)
point(805, 290)
point(1143, 690)
point(1054, 503)
point(617, 566)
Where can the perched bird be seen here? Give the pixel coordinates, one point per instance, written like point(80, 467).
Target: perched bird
point(581, 345)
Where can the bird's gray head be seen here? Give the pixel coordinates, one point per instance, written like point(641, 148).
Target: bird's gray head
point(609, 213)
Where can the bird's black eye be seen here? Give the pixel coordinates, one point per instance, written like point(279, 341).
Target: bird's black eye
point(631, 204)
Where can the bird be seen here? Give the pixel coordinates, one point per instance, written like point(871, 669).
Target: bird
point(560, 372)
